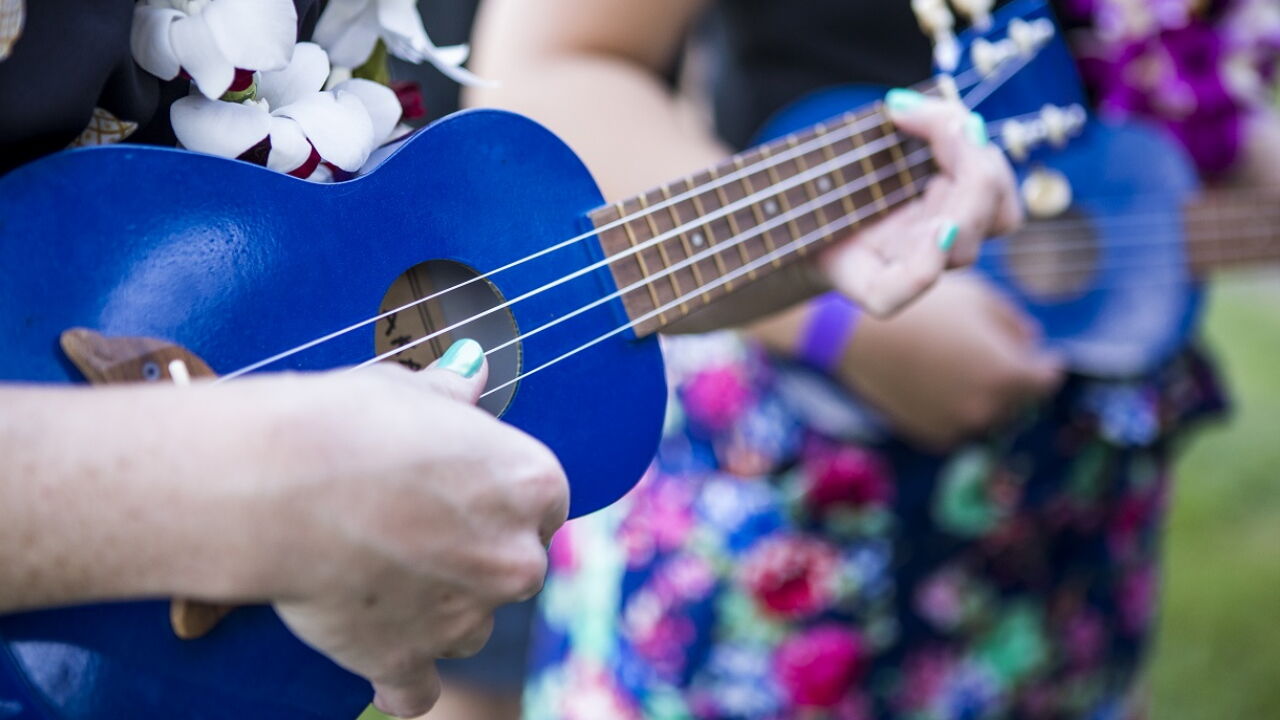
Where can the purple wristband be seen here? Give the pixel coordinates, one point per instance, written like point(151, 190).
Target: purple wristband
point(832, 322)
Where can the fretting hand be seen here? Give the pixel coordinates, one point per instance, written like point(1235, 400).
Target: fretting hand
point(971, 198)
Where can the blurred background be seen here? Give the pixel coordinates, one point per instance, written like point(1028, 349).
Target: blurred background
point(1218, 653)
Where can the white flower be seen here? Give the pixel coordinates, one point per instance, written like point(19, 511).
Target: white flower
point(349, 30)
point(290, 117)
point(212, 39)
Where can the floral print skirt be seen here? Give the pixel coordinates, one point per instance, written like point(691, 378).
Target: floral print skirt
point(783, 558)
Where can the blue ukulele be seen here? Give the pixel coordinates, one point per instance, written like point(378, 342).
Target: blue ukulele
point(131, 264)
point(1120, 236)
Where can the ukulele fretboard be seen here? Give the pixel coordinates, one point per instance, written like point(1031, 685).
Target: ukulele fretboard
point(686, 243)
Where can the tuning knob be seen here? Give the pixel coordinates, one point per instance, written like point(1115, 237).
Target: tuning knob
point(939, 24)
point(1052, 125)
point(978, 12)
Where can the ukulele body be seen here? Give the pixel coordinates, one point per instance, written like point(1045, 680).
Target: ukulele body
point(1131, 302)
point(236, 263)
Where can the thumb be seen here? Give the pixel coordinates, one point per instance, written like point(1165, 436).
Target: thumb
point(459, 374)
point(1043, 373)
point(410, 696)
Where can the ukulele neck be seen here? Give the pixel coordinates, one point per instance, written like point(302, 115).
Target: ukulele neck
point(1233, 228)
point(686, 243)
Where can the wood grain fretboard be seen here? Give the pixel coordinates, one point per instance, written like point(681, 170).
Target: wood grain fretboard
point(830, 179)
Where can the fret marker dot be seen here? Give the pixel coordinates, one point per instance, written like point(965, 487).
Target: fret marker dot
point(697, 239)
point(771, 207)
point(824, 184)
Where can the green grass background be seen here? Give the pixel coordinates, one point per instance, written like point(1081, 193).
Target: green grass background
point(1219, 651)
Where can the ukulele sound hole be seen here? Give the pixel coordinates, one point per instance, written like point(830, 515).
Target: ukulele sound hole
point(436, 318)
point(1054, 260)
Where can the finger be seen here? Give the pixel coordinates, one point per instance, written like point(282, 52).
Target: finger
point(471, 643)
point(966, 209)
point(1041, 374)
point(945, 125)
point(1011, 215)
point(882, 286)
point(410, 692)
point(460, 374)
point(961, 149)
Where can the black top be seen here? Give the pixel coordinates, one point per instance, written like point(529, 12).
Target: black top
point(769, 53)
point(73, 56)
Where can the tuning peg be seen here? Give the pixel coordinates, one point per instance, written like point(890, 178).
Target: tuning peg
point(1053, 125)
point(1029, 37)
point(1025, 39)
point(939, 24)
point(978, 12)
point(1061, 124)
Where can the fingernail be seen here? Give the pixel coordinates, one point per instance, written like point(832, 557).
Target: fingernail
point(976, 128)
point(901, 100)
point(947, 236)
point(464, 357)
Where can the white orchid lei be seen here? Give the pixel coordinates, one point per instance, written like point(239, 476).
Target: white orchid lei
point(260, 95)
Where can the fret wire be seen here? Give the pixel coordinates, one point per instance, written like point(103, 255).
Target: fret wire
point(782, 198)
point(877, 192)
point(644, 267)
point(810, 190)
point(750, 188)
point(662, 249)
point(849, 207)
point(733, 225)
point(710, 235)
point(688, 249)
point(887, 127)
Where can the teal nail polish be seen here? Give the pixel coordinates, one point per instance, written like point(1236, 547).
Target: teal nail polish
point(901, 100)
point(976, 128)
point(464, 357)
point(947, 236)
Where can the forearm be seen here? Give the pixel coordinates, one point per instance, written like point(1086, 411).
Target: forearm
point(116, 493)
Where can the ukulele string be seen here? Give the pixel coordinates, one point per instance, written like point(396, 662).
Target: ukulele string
point(1086, 236)
point(898, 196)
point(1123, 263)
point(828, 141)
point(821, 142)
point(830, 198)
point(799, 179)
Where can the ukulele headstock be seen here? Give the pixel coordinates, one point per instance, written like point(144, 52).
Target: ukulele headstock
point(1018, 69)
